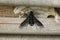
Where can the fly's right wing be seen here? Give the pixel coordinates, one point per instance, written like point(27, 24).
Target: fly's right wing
point(38, 22)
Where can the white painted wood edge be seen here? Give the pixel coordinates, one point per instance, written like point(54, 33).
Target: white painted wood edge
point(11, 25)
point(50, 3)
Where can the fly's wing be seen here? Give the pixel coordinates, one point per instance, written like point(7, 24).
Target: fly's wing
point(38, 22)
point(24, 23)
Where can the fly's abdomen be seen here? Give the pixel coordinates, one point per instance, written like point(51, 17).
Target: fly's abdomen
point(31, 21)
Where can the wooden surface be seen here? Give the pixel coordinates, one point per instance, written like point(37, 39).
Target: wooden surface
point(11, 25)
point(29, 38)
point(7, 11)
point(46, 3)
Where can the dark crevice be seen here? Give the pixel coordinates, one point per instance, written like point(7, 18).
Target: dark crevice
point(50, 16)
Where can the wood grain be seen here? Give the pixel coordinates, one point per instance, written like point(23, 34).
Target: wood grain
point(11, 25)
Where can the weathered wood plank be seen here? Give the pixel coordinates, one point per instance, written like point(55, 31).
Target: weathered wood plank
point(11, 25)
point(28, 38)
point(47, 3)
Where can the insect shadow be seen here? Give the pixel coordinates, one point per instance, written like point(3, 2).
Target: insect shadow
point(31, 20)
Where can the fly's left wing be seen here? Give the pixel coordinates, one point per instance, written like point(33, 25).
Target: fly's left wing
point(24, 23)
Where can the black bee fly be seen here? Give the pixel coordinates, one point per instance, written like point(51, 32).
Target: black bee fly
point(31, 20)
